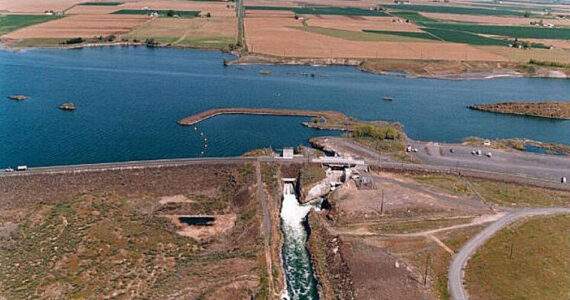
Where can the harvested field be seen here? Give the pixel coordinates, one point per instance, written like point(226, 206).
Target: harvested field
point(35, 6)
point(295, 3)
point(323, 10)
point(358, 24)
point(86, 26)
point(366, 36)
point(92, 10)
point(200, 32)
point(494, 20)
point(279, 37)
point(103, 234)
point(216, 9)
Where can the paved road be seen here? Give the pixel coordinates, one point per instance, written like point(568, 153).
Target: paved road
point(547, 167)
point(456, 269)
point(130, 165)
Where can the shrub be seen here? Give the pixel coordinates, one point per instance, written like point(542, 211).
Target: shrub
point(381, 133)
point(74, 41)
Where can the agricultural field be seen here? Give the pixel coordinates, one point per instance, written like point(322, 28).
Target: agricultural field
point(285, 36)
point(161, 13)
point(510, 31)
point(318, 10)
point(457, 10)
point(9, 23)
point(84, 26)
point(35, 6)
point(101, 3)
point(115, 235)
point(196, 32)
point(528, 260)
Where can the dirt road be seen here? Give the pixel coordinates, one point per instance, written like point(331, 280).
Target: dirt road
point(456, 269)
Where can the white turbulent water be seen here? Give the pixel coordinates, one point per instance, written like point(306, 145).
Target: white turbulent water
point(300, 281)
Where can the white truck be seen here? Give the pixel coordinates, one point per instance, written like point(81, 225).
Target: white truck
point(22, 168)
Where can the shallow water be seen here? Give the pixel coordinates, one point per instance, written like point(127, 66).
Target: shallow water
point(129, 99)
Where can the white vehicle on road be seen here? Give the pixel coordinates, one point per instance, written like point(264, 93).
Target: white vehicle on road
point(22, 168)
point(8, 170)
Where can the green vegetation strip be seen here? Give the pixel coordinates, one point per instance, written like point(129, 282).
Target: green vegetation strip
point(162, 13)
point(465, 37)
point(358, 36)
point(513, 31)
point(529, 261)
point(9, 23)
point(418, 35)
point(457, 10)
point(412, 16)
point(324, 10)
point(101, 3)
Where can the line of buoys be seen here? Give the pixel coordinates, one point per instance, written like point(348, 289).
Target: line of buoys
point(205, 141)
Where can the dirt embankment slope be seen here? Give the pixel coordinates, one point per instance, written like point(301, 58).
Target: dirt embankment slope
point(553, 110)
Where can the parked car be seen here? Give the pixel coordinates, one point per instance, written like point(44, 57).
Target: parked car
point(8, 170)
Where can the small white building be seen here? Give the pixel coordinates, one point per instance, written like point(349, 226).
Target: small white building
point(288, 153)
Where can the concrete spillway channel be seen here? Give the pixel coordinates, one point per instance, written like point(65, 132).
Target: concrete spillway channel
point(300, 280)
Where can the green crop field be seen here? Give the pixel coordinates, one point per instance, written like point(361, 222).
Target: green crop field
point(465, 37)
point(412, 16)
point(101, 3)
point(512, 31)
point(324, 10)
point(10, 23)
point(457, 10)
point(363, 36)
point(418, 35)
point(162, 13)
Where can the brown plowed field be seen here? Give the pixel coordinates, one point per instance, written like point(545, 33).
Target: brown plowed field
point(283, 37)
point(85, 26)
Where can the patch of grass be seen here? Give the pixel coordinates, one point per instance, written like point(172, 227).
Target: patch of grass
point(9, 23)
point(417, 35)
point(549, 63)
point(450, 183)
point(161, 13)
point(101, 3)
point(213, 42)
point(508, 194)
point(39, 42)
point(538, 268)
point(323, 10)
point(312, 174)
point(457, 10)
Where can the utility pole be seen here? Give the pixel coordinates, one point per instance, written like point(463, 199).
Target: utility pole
point(426, 271)
point(382, 204)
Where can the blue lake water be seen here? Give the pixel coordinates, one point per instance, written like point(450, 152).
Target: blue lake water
point(128, 101)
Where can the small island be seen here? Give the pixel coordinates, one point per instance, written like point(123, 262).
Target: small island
point(67, 106)
point(18, 97)
point(551, 110)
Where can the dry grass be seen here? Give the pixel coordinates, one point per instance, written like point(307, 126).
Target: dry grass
point(358, 24)
point(519, 55)
point(538, 269)
point(206, 32)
